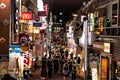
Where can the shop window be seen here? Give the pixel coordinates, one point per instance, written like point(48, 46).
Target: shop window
point(107, 23)
point(114, 31)
point(119, 15)
point(118, 31)
point(103, 32)
point(107, 31)
point(114, 14)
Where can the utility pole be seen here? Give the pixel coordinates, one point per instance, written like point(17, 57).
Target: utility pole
point(50, 31)
point(86, 49)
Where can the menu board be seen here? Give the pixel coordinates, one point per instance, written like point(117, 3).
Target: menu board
point(104, 68)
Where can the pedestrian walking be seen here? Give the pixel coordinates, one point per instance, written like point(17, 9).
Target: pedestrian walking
point(56, 65)
point(66, 71)
point(50, 69)
point(43, 71)
point(73, 77)
point(36, 63)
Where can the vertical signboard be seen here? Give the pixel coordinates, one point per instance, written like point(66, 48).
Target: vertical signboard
point(101, 23)
point(91, 22)
point(104, 72)
point(4, 26)
point(4, 35)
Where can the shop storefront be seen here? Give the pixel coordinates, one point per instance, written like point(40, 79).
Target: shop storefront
point(115, 61)
point(104, 59)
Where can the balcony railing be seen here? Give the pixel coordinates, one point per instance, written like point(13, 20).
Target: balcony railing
point(102, 3)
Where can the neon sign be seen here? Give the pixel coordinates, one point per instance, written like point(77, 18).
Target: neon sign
point(27, 16)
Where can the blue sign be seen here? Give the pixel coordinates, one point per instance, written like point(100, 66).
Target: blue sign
point(14, 48)
point(37, 24)
point(4, 58)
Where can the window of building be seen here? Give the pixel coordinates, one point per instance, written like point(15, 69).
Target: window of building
point(114, 14)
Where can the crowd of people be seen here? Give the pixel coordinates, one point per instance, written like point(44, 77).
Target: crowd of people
point(58, 63)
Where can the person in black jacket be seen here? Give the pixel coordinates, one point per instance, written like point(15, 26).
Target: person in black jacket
point(43, 70)
point(73, 73)
point(50, 69)
point(8, 77)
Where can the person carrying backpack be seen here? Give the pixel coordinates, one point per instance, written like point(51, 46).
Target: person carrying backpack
point(66, 70)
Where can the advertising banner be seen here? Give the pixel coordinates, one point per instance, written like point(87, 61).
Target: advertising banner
point(4, 26)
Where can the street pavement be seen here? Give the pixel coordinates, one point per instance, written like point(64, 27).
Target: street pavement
point(57, 76)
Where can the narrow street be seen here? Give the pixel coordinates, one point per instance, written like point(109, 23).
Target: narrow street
point(58, 76)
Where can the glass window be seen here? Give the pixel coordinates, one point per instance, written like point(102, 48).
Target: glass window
point(118, 31)
point(114, 14)
point(119, 16)
point(114, 31)
point(107, 31)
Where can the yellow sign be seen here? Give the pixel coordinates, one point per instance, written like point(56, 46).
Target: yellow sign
point(24, 48)
point(101, 24)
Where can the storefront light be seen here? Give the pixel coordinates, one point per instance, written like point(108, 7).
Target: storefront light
point(74, 15)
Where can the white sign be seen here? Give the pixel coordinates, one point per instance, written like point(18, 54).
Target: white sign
point(107, 47)
point(94, 74)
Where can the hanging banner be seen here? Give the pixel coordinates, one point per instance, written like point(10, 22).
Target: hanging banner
point(4, 26)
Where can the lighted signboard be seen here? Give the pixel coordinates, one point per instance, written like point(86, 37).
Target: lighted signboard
point(94, 74)
point(14, 48)
point(107, 47)
point(27, 16)
point(101, 23)
point(91, 22)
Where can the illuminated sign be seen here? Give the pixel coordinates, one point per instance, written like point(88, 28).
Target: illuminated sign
point(94, 74)
point(98, 46)
point(27, 16)
point(101, 23)
point(107, 47)
point(91, 22)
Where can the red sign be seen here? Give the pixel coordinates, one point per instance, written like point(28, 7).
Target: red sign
point(27, 15)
